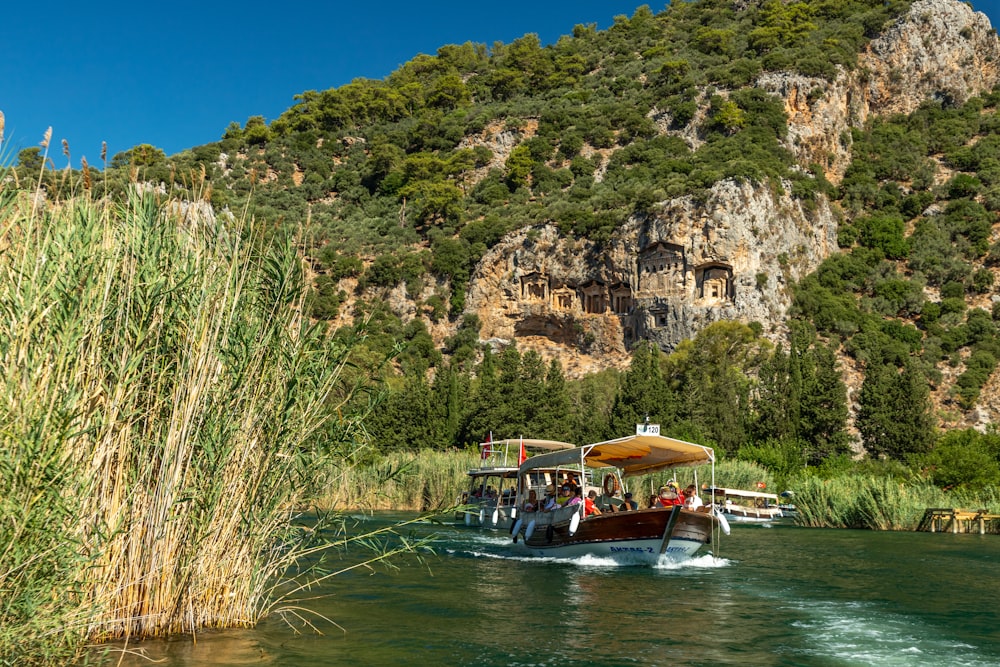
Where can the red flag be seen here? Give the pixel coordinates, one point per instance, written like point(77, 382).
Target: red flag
point(522, 455)
point(761, 485)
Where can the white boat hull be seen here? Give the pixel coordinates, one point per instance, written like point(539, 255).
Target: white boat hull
point(630, 551)
point(638, 536)
point(751, 516)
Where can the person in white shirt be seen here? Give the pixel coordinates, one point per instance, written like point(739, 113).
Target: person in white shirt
point(692, 500)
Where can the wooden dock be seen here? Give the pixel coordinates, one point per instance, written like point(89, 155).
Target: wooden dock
point(949, 520)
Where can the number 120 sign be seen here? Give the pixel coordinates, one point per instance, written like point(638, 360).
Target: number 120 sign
point(647, 429)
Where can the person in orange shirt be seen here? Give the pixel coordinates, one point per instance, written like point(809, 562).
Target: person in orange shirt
point(669, 497)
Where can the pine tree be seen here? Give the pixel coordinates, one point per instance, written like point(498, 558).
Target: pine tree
point(894, 412)
point(553, 419)
point(772, 398)
point(716, 367)
point(643, 393)
point(822, 423)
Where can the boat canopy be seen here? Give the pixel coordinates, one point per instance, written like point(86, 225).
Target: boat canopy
point(633, 455)
point(498, 457)
point(739, 493)
point(550, 445)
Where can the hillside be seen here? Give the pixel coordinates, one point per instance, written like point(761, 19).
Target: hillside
point(706, 163)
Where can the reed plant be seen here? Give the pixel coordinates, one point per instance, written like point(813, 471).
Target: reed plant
point(865, 501)
point(423, 481)
point(165, 407)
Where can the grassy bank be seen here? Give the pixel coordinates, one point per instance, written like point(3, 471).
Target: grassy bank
point(877, 503)
point(423, 481)
point(161, 399)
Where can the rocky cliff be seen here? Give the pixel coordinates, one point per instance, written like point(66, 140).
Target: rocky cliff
point(730, 254)
point(940, 50)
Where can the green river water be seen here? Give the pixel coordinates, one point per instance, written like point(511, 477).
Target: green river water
point(776, 595)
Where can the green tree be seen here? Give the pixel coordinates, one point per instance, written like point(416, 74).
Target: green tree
point(965, 459)
point(143, 155)
point(519, 166)
point(553, 419)
point(448, 389)
point(715, 370)
point(643, 394)
point(894, 412)
point(822, 424)
point(30, 159)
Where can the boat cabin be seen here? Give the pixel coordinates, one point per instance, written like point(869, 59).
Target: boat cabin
point(751, 506)
point(488, 501)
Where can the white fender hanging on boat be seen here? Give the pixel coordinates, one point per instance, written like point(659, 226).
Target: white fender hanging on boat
point(513, 512)
point(496, 516)
point(574, 523)
point(723, 522)
point(468, 519)
point(482, 516)
point(530, 530)
point(516, 529)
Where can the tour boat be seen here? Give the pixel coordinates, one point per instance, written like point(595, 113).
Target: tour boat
point(635, 536)
point(746, 506)
point(489, 500)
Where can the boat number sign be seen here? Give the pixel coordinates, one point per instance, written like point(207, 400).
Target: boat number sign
point(640, 550)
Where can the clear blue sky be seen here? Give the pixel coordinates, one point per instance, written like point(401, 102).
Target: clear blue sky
point(175, 74)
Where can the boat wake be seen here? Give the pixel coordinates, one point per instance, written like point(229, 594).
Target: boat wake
point(703, 562)
point(860, 633)
point(706, 561)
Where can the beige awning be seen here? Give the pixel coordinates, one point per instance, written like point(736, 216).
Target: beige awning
point(633, 455)
point(529, 443)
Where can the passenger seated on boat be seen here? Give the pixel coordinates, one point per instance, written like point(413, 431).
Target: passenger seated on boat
point(551, 502)
point(669, 497)
point(589, 506)
point(654, 501)
point(692, 500)
point(571, 480)
point(628, 504)
point(566, 497)
point(532, 502)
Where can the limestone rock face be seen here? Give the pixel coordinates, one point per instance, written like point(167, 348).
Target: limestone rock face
point(732, 254)
point(662, 278)
point(941, 49)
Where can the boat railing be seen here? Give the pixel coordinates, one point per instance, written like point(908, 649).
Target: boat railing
point(498, 454)
point(556, 516)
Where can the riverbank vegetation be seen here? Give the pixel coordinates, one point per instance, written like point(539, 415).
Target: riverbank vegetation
point(165, 406)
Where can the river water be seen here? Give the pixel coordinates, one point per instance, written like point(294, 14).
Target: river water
point(774, 595)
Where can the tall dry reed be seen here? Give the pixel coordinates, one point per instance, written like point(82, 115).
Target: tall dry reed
point(865, 501)
point(423, 481)
point(162, 399)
